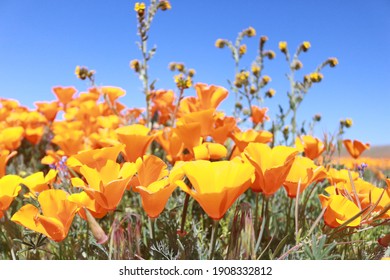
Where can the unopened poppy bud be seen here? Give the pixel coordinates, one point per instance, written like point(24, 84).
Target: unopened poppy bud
point(220, 43)
point(135, 65)
point(305, 46)
point(283, 46)
point(96, 229)
point(164, 5)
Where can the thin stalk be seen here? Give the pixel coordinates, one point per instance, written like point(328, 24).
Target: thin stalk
point(213, 239)
point(184, 213)
point(256, 217)
point(152, 230)
point(296, 210)
point(173, 117)
point(288, 215)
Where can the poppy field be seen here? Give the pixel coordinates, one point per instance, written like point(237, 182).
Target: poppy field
point(88, 177)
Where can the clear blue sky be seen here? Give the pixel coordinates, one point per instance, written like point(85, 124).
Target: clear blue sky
point(41, 42)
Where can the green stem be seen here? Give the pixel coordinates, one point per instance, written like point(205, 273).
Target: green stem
point(256, 217)
point(152, 230)
point(288, 215)
point(213, 239)
point(184, 214)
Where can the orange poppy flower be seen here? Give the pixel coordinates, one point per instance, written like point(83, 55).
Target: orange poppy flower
point(9, 189)
point(367, 194)
point(304, 172)
point(136, 139)
point(107, 184)
point(37, 182)
point(96, 158)
point(171, 143)
point(242, 139)
point(355, 147)
point(204, 118)
point(188, 105)
point(258, 114)
point(11, 137)
point(56, 218)
point(339, 209)
point(64, 94)
point(163, 104)
point(190, 134)
point(86, 200)
point(48, 109)
point(71, 142)
point(34, 134)
point(209, 151)
point(223, 128)
point(5, 156)
point(388, 186)
point(113, 93)
point(216, 185)
point(311, 146)
point(272, 165)
point(335, 176)
point(154, 186)
point(210, 96)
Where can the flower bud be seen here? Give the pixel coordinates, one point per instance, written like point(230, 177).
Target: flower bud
point(96, 229)
point(220, 43)
point(348, 123)
point(164, 5)
point(270, 93)
point(332, 61)
point(252, 90)
point(135, 65)
point(191, 73)
point(283, 46)
point(305, 46)
point(296, 65)
point(255, 69)
point(250, 32)
point(317, 117)
point(242, 50)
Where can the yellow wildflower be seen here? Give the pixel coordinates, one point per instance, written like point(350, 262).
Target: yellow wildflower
point(250, 32)
point(242, 50)
point(220, 43)
point(305, 46)
point(283, 46)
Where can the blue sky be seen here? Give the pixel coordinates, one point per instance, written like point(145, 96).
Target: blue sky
point(41, 42)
